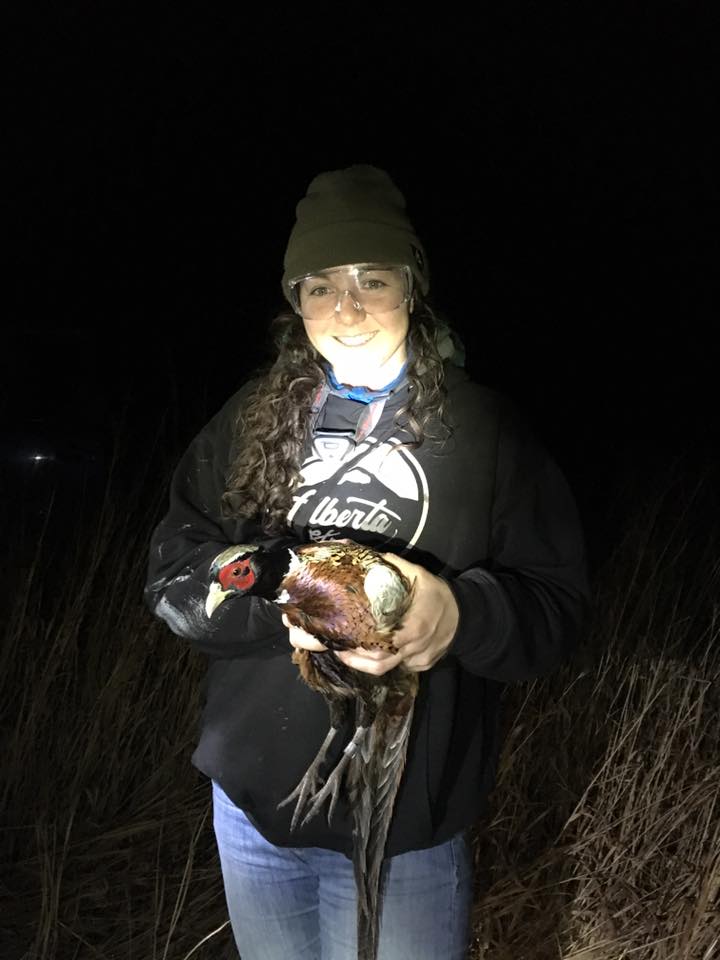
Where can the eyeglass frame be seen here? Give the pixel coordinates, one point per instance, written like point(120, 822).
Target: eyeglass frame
point(294, 285)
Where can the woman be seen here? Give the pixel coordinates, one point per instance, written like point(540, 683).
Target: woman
point(365, 429)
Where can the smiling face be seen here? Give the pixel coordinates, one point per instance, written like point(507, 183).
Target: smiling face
point(357, 318)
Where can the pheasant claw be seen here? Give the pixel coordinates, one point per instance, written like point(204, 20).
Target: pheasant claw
point(334, 781)
point(308, 787)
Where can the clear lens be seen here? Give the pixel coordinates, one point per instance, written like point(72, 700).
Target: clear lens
point(374, 288)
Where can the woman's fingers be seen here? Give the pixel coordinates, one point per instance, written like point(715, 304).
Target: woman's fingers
point(302, 640)
point(376, 662)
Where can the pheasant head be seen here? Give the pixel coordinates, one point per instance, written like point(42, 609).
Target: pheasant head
point(234, 571)
point(246, 568)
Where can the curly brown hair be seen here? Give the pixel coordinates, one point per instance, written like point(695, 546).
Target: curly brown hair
point(271, 429)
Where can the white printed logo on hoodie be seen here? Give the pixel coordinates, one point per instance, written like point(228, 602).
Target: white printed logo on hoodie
point(372, 492)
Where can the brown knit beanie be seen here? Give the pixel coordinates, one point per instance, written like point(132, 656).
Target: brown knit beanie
point(356, 215)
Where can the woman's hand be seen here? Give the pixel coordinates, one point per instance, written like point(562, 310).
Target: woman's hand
point(369, 661)
point(300, 639)
point(427, 631)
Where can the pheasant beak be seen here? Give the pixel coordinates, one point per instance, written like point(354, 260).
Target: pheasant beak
point(215, 597)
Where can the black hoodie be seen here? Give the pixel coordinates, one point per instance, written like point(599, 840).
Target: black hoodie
point(486, 508)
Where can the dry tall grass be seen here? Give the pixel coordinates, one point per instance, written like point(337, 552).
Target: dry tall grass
point(603, 841)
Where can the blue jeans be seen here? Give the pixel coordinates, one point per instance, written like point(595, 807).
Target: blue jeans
point(298, 903)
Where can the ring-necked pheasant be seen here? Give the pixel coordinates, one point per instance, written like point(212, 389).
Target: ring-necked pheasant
point(347, 596)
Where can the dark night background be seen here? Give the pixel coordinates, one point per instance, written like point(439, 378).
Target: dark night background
point(556, 161)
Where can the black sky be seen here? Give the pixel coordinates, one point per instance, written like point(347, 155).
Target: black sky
point(557, 162)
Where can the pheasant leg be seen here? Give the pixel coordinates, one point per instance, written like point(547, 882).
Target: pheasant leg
point(366, 711)
point(311, 782)
point(332, 785)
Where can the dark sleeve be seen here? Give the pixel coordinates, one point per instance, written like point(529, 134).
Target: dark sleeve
point(522, 612)
point(185, 543)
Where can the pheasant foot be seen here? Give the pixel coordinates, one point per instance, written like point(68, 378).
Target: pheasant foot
point(308, 787)
point(334, 781)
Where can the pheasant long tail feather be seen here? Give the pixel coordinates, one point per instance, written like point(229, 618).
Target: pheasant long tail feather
point(373, 793)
